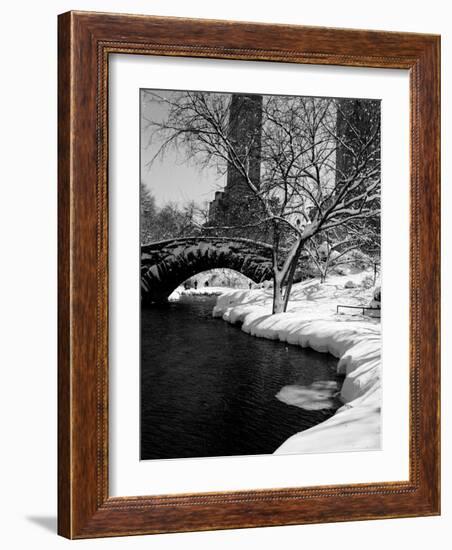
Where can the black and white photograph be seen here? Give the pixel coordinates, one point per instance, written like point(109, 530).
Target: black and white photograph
point(260, 274)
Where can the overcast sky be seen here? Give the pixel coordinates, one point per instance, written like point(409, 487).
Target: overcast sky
point(171, 178)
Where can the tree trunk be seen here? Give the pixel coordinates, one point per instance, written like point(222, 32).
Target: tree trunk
point(278, 302)
point(293, 267)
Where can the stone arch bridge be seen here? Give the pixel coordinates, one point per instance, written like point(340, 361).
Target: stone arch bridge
point(167, 264)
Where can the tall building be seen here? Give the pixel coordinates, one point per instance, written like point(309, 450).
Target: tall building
point(361, 116)
point(237, 204)
point(357, 120)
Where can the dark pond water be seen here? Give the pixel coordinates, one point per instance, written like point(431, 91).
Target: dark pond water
point(208, 389)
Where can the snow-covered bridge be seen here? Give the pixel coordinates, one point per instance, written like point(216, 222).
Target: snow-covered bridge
point(167, 264)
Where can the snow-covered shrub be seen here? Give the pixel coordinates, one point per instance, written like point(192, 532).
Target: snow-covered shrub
point(311, 289)
point(358, 259)
point(377, 294)
point(341, 270)
point(306, 269)
point(323, 250)
point(367, 282)
point(375, 303)
point(350, 284)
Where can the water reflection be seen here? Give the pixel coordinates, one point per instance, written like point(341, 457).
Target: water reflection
point(322, 394)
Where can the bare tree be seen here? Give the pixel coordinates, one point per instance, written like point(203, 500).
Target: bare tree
point(300, 191)
point(148, 213)
point(370, 244)
point(169, 221)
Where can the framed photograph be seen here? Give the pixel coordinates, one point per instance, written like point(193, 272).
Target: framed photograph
point(233, 198)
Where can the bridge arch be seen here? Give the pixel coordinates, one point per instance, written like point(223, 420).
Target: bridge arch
point(167, 264)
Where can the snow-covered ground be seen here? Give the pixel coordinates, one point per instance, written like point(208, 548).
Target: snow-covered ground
point(180, 292)
point(311, 321)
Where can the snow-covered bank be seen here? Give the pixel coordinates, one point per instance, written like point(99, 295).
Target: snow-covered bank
point(311, 321)
point(180, 292)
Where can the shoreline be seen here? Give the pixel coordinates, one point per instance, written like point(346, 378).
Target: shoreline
point(356, 344)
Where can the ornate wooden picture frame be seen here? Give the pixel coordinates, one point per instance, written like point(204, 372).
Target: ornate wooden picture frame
point(86, 40)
